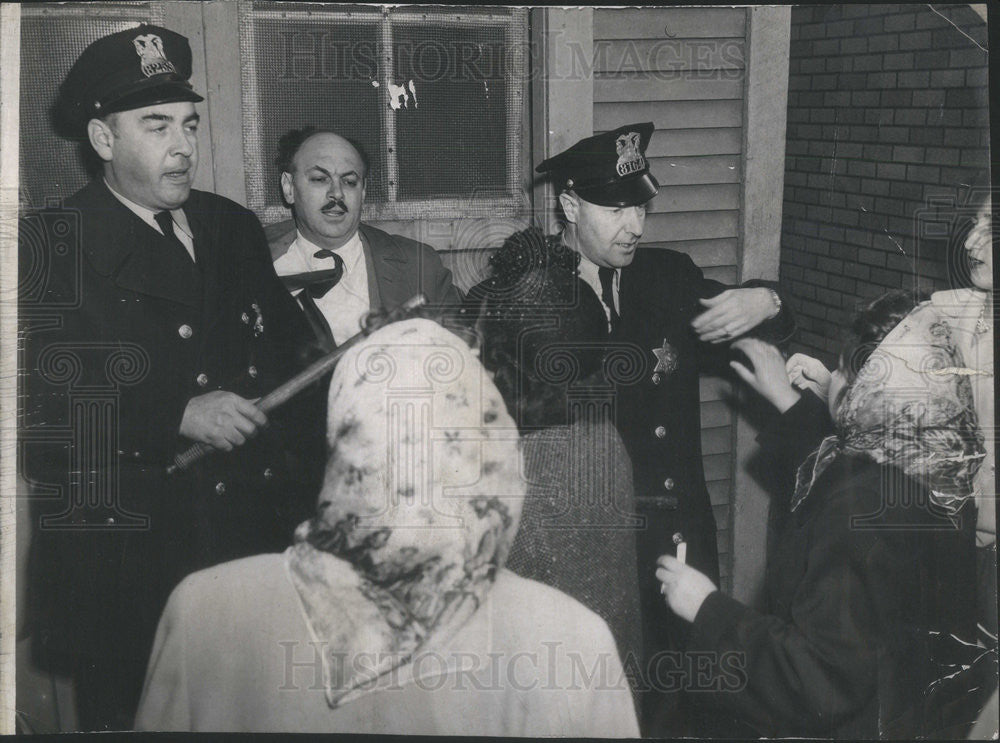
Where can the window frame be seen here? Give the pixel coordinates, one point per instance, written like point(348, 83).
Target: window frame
point(513, 21)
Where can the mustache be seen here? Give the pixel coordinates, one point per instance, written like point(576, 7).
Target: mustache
point(335, 204)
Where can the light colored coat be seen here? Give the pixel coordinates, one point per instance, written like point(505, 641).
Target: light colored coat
point(233, 653)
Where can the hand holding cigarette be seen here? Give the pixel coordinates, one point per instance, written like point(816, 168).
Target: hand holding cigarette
point(684, 587)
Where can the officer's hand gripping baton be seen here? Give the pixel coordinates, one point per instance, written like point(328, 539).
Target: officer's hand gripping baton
point(282, 394)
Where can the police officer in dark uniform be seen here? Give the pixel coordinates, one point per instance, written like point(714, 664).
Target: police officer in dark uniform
point(678, 323)
point(153, 319)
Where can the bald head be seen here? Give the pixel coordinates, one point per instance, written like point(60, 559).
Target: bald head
point(324, 182)
point(290, 143)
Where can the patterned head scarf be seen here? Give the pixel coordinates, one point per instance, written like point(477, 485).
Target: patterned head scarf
point(419, 506)
point(910, 406)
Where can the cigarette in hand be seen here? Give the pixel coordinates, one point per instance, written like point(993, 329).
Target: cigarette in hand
point(682, 548)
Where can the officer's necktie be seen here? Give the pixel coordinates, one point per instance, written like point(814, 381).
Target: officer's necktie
point(607, 277)
point(166, 222)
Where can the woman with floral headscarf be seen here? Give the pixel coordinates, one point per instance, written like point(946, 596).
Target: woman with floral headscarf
point(870, 579)
point(392, 612)
point(969, 313)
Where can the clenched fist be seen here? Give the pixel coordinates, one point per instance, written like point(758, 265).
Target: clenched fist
point(222, 420)
point(808, 373)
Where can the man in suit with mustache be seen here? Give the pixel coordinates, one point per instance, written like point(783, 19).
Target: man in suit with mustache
point(336, 267)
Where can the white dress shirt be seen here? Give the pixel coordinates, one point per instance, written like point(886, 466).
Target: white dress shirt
point(588, 272)
point(181, 227)
point(346, 304)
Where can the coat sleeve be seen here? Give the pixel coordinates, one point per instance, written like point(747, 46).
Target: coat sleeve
point(807, 675)
point(795, 434)
point(165, 703)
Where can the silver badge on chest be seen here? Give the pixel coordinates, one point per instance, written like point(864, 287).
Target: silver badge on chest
point(667, 362)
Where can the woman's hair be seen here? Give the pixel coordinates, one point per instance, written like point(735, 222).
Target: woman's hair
point(529, 357)
point(872, 323)
point(539, 329)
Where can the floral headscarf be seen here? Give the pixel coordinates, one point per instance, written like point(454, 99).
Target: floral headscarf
point(910, 406)
point(419, 506)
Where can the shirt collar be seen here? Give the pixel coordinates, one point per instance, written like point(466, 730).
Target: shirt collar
point(588, 271)
point(149, 216)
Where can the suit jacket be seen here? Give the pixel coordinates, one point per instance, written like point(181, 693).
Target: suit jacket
point(865, 589)
point(120, 331)
point(234, 653)
point(659, 417)
point(398, 268)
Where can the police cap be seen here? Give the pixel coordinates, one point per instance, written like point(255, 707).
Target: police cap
point(608, 169)
point(130, 69)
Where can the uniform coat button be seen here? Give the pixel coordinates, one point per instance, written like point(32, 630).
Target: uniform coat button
point(252, 371)
point(110, 521)
point(660, 432)
point(669, 483)
point(185, 332)
point(268, 474)
point(202, 379)
point(220, 488)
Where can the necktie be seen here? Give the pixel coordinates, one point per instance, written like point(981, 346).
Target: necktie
point(607, 277)
point(317, 283)
point(166, 222)
point(331, 276)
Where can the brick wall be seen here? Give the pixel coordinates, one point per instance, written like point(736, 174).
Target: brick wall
point(887, 116)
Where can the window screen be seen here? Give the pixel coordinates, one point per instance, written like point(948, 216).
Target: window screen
point(52, 37)
point(452, 133)
point(435, 95)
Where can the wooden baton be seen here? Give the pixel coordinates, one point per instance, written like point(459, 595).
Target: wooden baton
point(285, 392)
